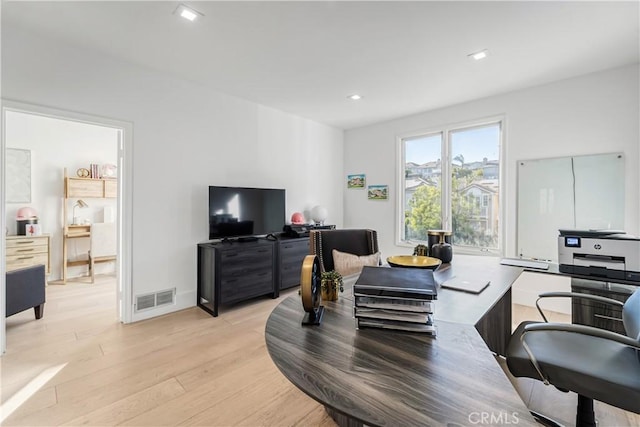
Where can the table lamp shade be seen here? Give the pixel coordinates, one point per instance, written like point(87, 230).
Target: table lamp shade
point(319, 214)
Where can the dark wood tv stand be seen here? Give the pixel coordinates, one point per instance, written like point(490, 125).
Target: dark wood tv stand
point(233, 271)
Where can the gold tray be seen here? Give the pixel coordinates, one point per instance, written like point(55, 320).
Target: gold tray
point(414, 261)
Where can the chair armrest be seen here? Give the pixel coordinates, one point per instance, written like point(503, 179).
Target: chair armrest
point(603, 300)
point(582, 330)
point(571, 328)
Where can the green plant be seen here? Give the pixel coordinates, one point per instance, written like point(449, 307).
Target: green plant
point(421, 250)
point(331, 278)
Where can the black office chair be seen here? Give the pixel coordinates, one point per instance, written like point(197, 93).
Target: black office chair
point(594, 363)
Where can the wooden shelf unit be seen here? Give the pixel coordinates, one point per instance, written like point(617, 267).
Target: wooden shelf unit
point(79, 188)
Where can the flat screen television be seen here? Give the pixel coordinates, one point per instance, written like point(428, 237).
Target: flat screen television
point(244, 212)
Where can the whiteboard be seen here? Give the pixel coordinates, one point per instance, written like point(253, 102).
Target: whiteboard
point(578, 192)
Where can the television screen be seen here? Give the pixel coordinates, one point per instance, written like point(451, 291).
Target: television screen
point(239, 211)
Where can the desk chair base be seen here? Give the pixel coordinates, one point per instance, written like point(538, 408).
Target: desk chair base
point(585, 415)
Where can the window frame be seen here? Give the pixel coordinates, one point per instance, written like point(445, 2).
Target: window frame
point(445, 160)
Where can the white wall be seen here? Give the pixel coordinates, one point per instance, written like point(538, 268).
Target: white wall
point(55, 145)
point(185, 138)
point(596, 113)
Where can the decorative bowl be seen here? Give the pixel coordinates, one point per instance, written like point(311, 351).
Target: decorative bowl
point(414, 261)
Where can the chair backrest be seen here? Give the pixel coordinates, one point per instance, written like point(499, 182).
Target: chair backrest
point(354, 241)
point(631, 315)
point(103, 239)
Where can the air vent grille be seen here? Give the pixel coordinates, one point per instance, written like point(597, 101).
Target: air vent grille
point(149, 301)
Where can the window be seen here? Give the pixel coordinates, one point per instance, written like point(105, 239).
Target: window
point(451, 180)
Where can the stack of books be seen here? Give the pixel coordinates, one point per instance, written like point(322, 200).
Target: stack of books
point(395, 298)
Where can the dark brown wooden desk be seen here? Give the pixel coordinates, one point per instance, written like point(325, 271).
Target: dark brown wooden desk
point(379, 377)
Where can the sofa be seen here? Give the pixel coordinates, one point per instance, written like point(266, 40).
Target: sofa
point(25, 290)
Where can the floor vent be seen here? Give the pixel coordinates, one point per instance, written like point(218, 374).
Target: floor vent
point(149, 301)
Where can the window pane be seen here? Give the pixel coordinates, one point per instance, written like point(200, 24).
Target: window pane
point(475, 186)
point(422, 186)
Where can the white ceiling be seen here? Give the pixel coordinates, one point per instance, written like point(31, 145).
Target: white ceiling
point(306, 57)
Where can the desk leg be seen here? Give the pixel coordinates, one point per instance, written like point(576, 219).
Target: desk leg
point(341, 419)
point(495, 326)
point(64, 259)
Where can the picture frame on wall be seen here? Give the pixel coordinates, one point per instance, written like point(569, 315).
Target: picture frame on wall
point(378, 192)
point(356, 180)
point(18, 175)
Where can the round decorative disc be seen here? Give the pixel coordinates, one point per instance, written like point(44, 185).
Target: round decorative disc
point(310, 283)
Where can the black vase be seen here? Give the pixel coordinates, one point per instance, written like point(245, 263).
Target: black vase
point(442, 251)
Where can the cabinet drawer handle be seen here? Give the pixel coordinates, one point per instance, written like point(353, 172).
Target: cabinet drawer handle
point(26, 257)
point(26, 250)
point(25, 242)
point(231, 254)
point(263, 274)
point(607, 317)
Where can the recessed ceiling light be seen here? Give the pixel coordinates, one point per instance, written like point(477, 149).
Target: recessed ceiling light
point(354, 97)
point(187, 13)
point(479, 55)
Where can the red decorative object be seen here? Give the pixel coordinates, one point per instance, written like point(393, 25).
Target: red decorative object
point(297, 218)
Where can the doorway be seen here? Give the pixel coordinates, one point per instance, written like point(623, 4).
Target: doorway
point(65, 142)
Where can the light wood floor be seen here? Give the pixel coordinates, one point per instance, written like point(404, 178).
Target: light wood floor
point(79, 366)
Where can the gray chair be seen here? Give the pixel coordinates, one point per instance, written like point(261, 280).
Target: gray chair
point(25, 290)
point(594, 363)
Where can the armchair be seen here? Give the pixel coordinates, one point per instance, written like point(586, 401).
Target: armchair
point(358, 242)
point(594, 363)
point(25, 290)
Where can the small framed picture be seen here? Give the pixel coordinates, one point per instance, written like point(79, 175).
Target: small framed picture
point(33, 230)
point(356, 181)
point(378, 192)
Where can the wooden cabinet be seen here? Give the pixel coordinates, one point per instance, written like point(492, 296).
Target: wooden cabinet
point(291, 253)
point(593, 313)
point(90, 187)
point(25, 251)
point(232, 272)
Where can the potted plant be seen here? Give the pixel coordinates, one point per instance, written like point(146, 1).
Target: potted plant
point(421, 250)
point(330, 284)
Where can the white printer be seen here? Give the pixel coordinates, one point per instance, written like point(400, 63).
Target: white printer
point(599, 253)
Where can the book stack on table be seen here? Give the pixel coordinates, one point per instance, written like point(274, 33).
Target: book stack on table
point(395, 298)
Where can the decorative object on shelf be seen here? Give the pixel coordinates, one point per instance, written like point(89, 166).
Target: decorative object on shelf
point(421, 250)
point(378, 192)
point(24, 217)
point(310, 291)
point(331, 282)
point(442, 250)
point(356, 181)
point(81, 204)
point(109, 171)
point(83, 173)
point(95, 170)
point(297, 218)
point(319, 214)
point(33, 230)
point(415, 261)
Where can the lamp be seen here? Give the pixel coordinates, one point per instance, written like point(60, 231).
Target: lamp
point(319, 214)
point(82, 204)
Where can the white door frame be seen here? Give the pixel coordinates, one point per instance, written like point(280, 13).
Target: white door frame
point(124, 201)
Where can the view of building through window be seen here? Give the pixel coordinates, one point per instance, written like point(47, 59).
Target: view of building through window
point(468, 201)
